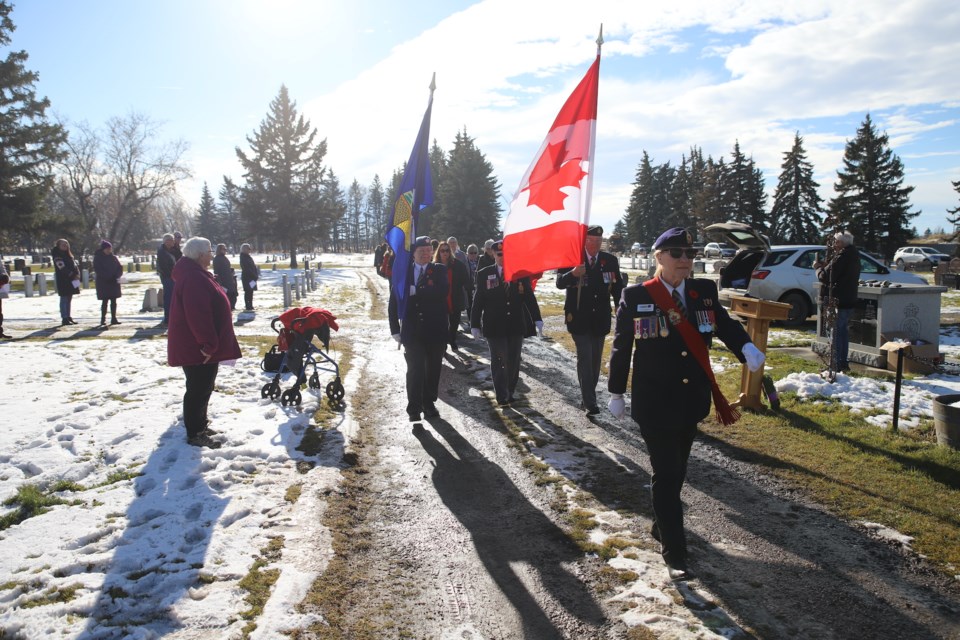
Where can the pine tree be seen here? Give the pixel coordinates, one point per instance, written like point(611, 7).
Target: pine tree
point(955, 220)
point(333, 224)
point(737, 179)
point(468, 193)
point(797, 207)
point(29, 143)
point(640, 226)
point(207, 223)
point(376, 210)
point(871, 198)
point(228, 216)
point(284, 176)
point(356, 199)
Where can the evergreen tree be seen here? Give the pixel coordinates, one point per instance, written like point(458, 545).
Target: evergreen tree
point(376, 211)
point(679, 196)
point(955, 220)
point(737, 179)
point(29, 143)
point(797, 207)
point(640, 225)
point(228, 216)
point(284, 175)
point(428, 215)
point(356, 199)
point(207, 223)
point(469, 195)
point(333, 224)
point(871, 198)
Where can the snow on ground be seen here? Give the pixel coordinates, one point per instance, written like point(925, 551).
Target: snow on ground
point(154, 533)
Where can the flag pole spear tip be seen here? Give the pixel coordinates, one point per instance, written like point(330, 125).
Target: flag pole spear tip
point(600, 39)
point(433, 82)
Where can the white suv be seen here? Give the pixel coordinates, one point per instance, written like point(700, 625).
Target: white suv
point(919, 257)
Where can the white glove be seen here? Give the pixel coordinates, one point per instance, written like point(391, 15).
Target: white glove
point(753, 356)
point(396, 337)
point(617, 405)
point(475, 333)
point(539, 324)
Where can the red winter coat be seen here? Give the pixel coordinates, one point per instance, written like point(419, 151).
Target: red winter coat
point(200, 318)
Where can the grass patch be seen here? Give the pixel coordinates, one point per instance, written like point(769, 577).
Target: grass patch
point(30, 501)
point(258, 582)
point(120, 476)
point(54, 595)
point(293, 493)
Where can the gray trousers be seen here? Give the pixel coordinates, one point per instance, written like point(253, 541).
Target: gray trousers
point(589, 358)
point(505, 365)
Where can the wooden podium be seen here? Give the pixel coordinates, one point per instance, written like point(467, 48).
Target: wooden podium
point(758, 313)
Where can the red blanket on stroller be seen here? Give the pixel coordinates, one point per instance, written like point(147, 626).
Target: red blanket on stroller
point(313, 319)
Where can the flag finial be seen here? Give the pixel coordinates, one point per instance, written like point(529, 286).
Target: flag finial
point(600, 39)
point(433, 83)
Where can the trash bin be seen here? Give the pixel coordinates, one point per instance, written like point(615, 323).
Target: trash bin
point(946, 419)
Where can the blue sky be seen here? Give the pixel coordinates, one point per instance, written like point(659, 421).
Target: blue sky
point(674, 74)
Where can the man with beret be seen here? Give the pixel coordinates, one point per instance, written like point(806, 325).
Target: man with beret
point(667, 324)
point(423, 329)
point(593, 289)
point(504, 312)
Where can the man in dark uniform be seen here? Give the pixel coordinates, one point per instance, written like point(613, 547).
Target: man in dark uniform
point(505, 313)
point(166, 259)
point(839, 279)
point(590, 287)
point(423, 330)
point(668, 324)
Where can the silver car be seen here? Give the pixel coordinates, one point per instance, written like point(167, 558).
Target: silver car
point(920, 257)
point(785, 273)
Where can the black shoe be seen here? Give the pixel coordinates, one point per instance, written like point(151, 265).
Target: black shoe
point(414, 416)
point(71, 321)
point(592, 411)
point(114, 321)
point(209, 432)
point(64, 323)
point(430, 410)
point(503, 403)
point(103, 322)
point(203, 440)
point(4, 336)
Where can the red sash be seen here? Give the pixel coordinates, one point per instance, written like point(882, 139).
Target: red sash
point(726, 414)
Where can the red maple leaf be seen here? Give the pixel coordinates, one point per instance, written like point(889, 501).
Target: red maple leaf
point(553, 171)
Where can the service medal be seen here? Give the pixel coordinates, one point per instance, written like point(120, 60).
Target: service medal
point(674, 317)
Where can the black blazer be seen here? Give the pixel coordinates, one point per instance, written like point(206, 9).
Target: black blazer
point(502, 309)
point(845, 274)
point(669, 389)
point(426, 320)
point(590, 310)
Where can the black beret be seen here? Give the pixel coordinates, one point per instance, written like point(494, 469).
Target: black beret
point(422, 241)
point(595, 230)
point(497, 246)
point(675, 237)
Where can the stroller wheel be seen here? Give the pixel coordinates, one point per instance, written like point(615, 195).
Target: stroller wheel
point(335, 391)
point(265, 390)
point(270, 390)
point(291, 396)
point(314, 381)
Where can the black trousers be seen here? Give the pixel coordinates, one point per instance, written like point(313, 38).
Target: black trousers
point(113, 308)
point(454, 327)
point(424, 361)
point(589, 359)
point(201, 379)
point(247, 297)
point(669, 449)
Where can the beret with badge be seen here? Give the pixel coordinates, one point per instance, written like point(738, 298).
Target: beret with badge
point(595, 230)
point(422, 241)
point(675, 237)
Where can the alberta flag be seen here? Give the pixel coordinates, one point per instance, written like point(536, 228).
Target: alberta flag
point(415, 193)
point(550, 213)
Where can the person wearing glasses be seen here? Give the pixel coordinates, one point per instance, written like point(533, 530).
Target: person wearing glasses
point(665, 326)
point(593, 288)
point(459, 283)
point(504, 312)
point(200, 335)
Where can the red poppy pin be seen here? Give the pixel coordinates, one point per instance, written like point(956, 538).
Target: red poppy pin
point(693, 294)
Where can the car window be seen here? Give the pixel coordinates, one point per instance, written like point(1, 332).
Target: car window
point(867, 265)
point(777, 257)
point(928, 251)
point(807, 258)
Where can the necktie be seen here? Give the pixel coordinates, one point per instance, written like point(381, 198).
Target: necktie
point(678, 300)
point(419, 274)
point(592, 260)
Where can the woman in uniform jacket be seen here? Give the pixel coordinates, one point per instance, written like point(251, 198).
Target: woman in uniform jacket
point(249, 274)
point(67, 273)
point(504, 313)
point(109, 271)
point(200, 335)
point(666, 325)
point(459, 287)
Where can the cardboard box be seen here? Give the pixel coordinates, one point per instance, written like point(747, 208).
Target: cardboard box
point(927, 351)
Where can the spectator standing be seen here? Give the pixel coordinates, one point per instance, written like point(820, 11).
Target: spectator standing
point(839, 281)
point(456, 251)
point(67, 275)
point(378, 255)
point(590, 287)
point(504, 313)
point(423, 329)
point(4, 282)
point(458, 282)
point(225, 274)
point(108, 272)
point(176, 251)
point(249, 274)
point(166, 259)
point(200, 336)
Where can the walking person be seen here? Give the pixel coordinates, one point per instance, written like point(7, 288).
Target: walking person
point(456, 251)
point(225, 274)
point(473, 262)
point(423, 329)
point(4, 288)
point(67, 276)
point(504, 313)
point(166, 259)
point(108, 272)
point(593, 289)
point(839, 281)
point(458, 282)
point(249, 274)
point(666, 326)
point(200, 336)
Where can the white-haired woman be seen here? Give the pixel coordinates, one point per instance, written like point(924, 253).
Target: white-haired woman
point(200, 335)
point(840, 279)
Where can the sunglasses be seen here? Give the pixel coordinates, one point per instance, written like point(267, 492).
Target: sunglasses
point(676, 252)
point(499, 254)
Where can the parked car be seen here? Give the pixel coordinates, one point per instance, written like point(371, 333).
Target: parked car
point(636, 247)
point(919, 257)
point(785, 273)
point(718, 250)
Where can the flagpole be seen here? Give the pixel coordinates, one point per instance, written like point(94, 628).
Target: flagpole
point(580, 283)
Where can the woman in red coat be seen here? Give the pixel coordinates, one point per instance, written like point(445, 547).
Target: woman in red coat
point(200, 335)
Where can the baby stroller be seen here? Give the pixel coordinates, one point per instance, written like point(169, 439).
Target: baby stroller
point(296, 352)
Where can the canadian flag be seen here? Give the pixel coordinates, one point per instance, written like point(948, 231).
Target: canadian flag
point(550, 213)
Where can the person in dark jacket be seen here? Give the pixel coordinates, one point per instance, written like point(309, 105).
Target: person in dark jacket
point(108, 270)
point(225, 274)
point(4, 282)
point(459, 286)
point(165, 262)
point(504, 313)
point(667, 325)
point(423, 329)
point(593, 288)
point(249, 274)
point(200, 336)
point(840, 279)
point(67, 274)
point(487, 258)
